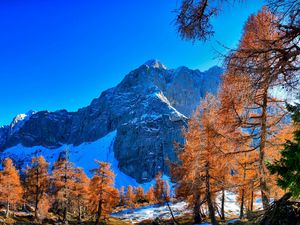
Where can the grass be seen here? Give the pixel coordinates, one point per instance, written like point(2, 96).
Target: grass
point(20, 220)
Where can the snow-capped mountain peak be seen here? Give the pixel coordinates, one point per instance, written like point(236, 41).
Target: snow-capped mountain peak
point(154, 63)
point(19, 121)
point(147, 111)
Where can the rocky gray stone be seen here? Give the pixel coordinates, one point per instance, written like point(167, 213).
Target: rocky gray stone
point(148, 109)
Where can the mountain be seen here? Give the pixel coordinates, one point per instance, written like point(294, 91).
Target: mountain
point(146, 113)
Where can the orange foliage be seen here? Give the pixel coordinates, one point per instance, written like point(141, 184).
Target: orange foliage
point(37, 185)
point(10, 186)
point(103, 196)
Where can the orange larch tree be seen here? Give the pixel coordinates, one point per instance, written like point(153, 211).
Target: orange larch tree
point(80, 193)
point(262, 113)
point(37, 184)
point(10, 186)
point(199, 176)
point(140, 195)
point(103, 196)
point(245, 179)
point(130, 196)
point(63, 184)
point(150, 196)
point(122, 195)
point(159, 188)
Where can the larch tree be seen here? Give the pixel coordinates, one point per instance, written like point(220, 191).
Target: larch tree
point(80, 193)
point(37, 184)
point(103, 196)
point(194, 23)
point(140, 195)
point(159, 188)
point(130, 196)
point(244, 179)
point(150, 196)
point(262, 113)
point(198, 175)
point(63, 184)
point(122, 195)
point(10, 186)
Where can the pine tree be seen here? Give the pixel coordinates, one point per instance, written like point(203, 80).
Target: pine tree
point(103, 196)
point(37, 184)
point(287, 167)
point(10, 186)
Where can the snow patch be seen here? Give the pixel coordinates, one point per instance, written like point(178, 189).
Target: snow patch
point(19, 121)
point(83, 156)
point(150, 212)
point(154, 63)
point(175, 114)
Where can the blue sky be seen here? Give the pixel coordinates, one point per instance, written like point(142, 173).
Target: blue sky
point(58, 54)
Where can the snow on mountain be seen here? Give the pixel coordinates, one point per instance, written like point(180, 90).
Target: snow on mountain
point(82, 156)
point(19, 121)
point(148, 110)
point(154, 63)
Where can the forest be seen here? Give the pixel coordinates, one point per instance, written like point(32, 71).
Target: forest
point(244, 140)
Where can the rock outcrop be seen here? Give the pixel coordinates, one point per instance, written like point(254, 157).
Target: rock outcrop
point(148, 109)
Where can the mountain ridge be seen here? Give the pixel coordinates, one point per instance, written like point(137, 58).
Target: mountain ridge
point(148, 109)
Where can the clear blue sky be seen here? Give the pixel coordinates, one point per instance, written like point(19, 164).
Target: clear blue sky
point(60, 54)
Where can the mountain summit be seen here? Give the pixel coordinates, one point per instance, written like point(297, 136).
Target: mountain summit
point(146, 113)
point(154, 63)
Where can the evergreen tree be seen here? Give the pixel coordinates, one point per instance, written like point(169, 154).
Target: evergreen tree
point(287, 168)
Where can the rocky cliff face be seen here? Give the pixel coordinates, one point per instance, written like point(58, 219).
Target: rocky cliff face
point(148, 109)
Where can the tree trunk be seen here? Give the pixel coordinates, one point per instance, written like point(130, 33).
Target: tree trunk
point(263, 138)
point(252, 199)
point(171, 212)
point(196, 211)
point(79, 213)
point(223, 205)
point(99, 212)
point(65, 215)
point(65, 195)
point(7, 210)
point(36, 196)
point(243, 191)
point(209, 200)
point(242, 204)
